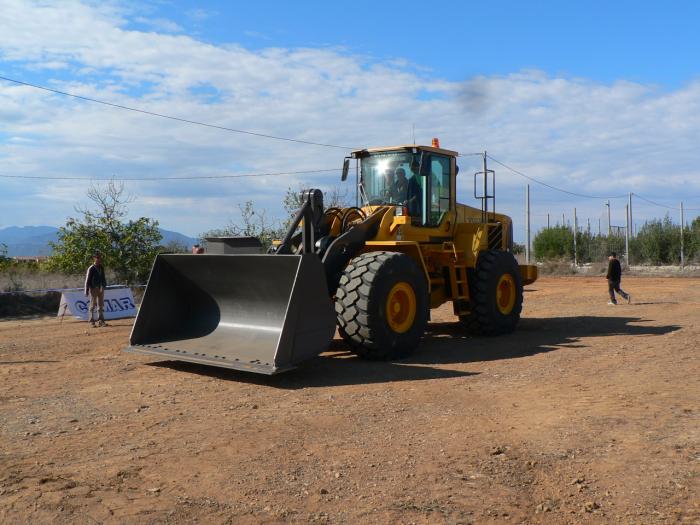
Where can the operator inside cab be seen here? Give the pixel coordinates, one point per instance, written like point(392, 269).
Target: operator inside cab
point(401, 190)
point(393, 177)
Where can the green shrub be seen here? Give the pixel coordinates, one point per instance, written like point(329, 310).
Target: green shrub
point(553, 243)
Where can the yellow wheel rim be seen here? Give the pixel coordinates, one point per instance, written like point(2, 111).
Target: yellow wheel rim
point(401, 307)
point(505, 294)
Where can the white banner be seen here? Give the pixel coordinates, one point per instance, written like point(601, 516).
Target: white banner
point(119, 302)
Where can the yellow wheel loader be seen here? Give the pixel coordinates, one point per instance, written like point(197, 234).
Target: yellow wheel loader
point(374, 271)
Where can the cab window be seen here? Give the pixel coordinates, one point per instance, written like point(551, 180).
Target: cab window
point(439, 188)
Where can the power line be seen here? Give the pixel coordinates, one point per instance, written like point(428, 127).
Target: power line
point(583, 195)
point(674, 208)
point(652, 202)
point(203, 177)
point(169, 117)
point(554, 187)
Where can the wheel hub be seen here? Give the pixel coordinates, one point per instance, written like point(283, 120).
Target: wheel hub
point(401, 307)
point(505, 294)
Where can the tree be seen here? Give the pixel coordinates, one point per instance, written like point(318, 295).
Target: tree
point(5, 261)
point(127, 247)
point(658, 242)
point(691, 239)
point(554, 243)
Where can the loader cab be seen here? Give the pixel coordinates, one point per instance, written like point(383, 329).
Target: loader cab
point(418, 180)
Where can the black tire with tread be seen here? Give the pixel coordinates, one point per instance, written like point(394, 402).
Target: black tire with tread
point(360, 305)
point(485, 318)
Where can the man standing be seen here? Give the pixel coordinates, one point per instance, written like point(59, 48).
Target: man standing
point(614, 276)
point(95, 283)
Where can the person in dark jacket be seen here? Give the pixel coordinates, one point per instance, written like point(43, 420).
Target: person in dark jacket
point(614, 276)
point(95, 284)
point(408, 191)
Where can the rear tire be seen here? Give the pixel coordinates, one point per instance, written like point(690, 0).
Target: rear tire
point(382, 305)
point(496, 294)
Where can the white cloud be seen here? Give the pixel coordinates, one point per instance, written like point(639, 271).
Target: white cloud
point(159, 24)
point(574, 133)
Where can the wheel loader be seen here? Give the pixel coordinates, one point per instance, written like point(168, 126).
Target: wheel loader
point(373, 271)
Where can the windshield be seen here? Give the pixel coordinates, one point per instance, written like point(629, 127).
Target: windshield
point(392, 178)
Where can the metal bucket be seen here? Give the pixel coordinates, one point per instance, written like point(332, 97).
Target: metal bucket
point(260, 313)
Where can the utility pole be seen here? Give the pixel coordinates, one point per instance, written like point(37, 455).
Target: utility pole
point(527, 224)
point(548, 220)
point(629, 204)
point(682, 226)
point(598, 226)
point(563, 220)
point(588, 228)
point(627, 236)
point(575, 232)
point(609, 226)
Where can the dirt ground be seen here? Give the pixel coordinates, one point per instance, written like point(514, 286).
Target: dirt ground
point(587, 414)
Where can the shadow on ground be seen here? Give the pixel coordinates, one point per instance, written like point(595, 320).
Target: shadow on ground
point(444, 343)
point(335, 368)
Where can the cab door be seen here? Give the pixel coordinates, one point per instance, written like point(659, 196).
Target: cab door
point(437, 189)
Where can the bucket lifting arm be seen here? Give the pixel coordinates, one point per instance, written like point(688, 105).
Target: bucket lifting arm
point(309, 215)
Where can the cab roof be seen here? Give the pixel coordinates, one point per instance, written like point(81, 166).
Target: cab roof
point(431, 149)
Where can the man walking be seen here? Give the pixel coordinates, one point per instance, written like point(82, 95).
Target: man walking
point(95, 283)
point(614, 276)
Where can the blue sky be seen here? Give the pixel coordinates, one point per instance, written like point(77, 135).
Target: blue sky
point(600, 98)
point(604, 41)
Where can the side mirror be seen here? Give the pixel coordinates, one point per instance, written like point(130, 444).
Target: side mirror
point(425, 164)
point(346, 169)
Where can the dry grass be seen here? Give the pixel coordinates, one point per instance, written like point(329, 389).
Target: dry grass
point(14, 279)
point(557, 267)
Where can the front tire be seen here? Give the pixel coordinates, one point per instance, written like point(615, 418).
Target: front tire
point(382, 305)
point(496, 294)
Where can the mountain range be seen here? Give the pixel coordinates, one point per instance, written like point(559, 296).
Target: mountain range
point(34, 240)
